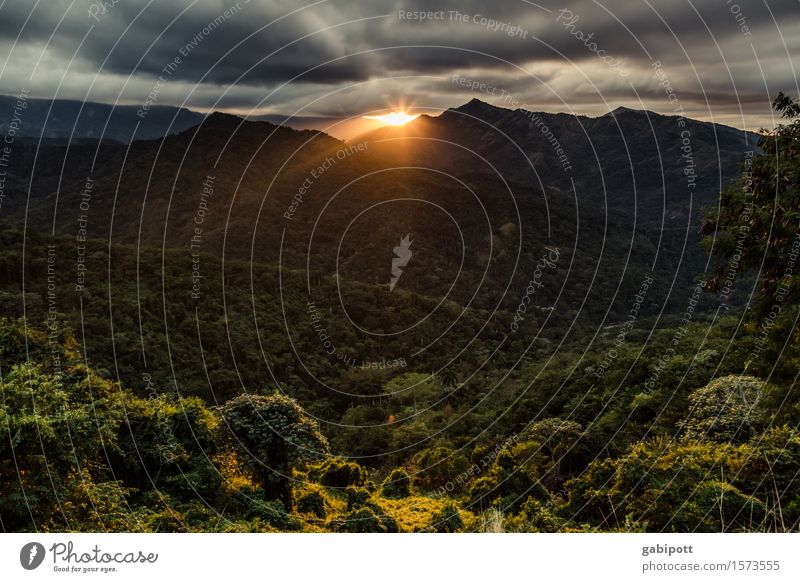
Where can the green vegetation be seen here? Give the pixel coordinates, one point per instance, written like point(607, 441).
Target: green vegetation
point(202, 416)
point(756, 223)
point(88, 454)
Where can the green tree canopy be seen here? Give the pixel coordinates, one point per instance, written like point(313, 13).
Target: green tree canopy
point(725, 409)
point(274, 434)
point(756, 225)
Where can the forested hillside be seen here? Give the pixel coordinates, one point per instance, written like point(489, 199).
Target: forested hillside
point(257, 379)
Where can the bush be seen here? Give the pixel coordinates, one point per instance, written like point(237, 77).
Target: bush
point(684, 486)
point(447, 519)
point(367, 519)
point(53, 424)
point(356, 497)
point(535, 517)
point(339, 473)
point(439, 468)
point(397, 485)
point(313, 502)
point(512, 478)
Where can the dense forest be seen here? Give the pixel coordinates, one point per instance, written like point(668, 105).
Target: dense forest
point(129, 404)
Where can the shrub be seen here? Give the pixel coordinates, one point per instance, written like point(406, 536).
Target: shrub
point(313, 502)
point(681, 486)
point(447, 519)
point(440, 466)
point(356, 497)
point(512, 478)
point(397, 485)
point(535, 517)
point(367, 519)
point(338, 472)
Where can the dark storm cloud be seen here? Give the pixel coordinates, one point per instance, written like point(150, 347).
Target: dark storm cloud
point(716, 47)
point(135, 25)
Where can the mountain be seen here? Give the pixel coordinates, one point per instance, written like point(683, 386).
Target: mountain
point(479, 191)
point(645, 178)
point(245, 253)
point(62, 118)
point(626, 161)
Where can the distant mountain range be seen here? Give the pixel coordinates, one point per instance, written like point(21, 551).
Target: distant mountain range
point(70, 119)
point(62, 118)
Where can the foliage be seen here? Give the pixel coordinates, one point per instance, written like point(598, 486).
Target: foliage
point(535, 516)
point(692, 486)
point(756, 223)
point(313, 501)
point(447, 519)
point(725, 410)
point(272, 434)
point(56, 424)
point(439, 468)
point(397, 484)
point(338, 472)
point(92, 456)
point(660, 425)
point(366, 519)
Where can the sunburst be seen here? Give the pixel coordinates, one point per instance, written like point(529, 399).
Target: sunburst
point(393, 118)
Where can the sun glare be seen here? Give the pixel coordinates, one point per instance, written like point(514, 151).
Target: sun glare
point(393, 118)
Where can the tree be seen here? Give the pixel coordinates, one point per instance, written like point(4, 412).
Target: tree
point(756, 223)
point(168, 443)
point(510, 479)
point(363, 433)
point(54, 425)
point(449, 377)
point(274, 434)
point(557, 438)
point(439, 467)
point(338, 473)
point(414, 390)
point(725, 409)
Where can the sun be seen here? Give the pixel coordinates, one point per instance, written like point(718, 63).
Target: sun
point(393, 118)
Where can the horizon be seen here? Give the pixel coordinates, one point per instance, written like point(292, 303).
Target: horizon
point(347, 128)
point(713, 63)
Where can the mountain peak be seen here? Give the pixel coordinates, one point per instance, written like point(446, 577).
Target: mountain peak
point(621, 110)
point(475, 106)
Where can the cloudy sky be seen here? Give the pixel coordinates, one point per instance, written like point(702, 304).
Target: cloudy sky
point(716, 59)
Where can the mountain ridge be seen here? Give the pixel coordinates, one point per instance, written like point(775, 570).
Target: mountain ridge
point(66, 118)
point(304, 199)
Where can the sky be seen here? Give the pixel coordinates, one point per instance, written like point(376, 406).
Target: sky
point(324, 62)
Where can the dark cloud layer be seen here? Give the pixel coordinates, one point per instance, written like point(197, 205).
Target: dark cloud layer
point(723, 58)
